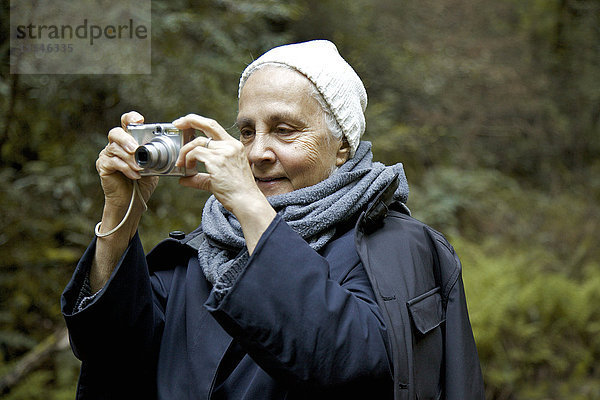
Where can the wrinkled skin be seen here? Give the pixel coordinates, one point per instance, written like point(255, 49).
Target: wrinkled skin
point(284, 133)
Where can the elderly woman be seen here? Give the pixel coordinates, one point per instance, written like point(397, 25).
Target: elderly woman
point(268, 298)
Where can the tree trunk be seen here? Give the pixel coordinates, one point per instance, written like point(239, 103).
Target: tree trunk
point(54, 343)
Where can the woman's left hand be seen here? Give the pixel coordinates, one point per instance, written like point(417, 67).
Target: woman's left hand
point(228, 175)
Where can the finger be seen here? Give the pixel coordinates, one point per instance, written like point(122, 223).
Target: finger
point(200, 141)
point(199, 181)
point(115, 150)
point(194, 151)
point(107, 165)
point(130, 118)
point(123, 139)
point(210, 127)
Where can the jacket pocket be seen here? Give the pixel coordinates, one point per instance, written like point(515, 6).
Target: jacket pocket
point(427, 314)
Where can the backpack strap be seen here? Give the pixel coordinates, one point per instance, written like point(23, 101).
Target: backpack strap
point(372, 219)
point(194, 240)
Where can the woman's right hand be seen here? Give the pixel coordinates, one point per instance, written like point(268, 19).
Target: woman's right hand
point(117, 167)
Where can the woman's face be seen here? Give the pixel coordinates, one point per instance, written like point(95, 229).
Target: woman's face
point(283, 130)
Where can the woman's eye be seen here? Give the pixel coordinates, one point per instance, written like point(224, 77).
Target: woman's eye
point(246, 133)
point(284, 130)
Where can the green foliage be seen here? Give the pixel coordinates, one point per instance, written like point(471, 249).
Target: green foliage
point(486, 203)
point(56, 381)
point(455, 200)
point(536, 331)
point(491, 106)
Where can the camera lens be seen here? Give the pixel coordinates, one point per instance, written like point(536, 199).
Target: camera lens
point(158, 155)
point(142, 156)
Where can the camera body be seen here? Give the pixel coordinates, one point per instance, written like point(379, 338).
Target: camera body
point(159, 148)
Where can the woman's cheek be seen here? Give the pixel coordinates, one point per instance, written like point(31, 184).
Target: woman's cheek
point(312, 149)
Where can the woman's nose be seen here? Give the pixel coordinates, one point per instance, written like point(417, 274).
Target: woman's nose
point(261, 149)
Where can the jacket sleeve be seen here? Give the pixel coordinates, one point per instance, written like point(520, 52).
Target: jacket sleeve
point(116, 334)
point(300, 324)
point(463, 379)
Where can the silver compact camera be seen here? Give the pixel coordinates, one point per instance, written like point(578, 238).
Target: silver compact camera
point(159, 148)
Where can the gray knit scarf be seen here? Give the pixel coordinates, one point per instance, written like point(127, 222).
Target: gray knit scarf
point(313, 212)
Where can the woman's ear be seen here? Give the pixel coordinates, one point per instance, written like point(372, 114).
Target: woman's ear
point(343, 153)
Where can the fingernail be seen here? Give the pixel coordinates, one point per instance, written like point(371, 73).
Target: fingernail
point(137, 117)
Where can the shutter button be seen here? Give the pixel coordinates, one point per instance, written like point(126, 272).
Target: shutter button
point(177, 235)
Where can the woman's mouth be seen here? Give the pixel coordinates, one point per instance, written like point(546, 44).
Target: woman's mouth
point(272, 185)
point(267, 179)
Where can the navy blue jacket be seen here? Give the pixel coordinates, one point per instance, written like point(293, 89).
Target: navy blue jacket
point(296, 324)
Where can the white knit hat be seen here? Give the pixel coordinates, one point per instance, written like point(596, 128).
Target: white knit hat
point(334, 78)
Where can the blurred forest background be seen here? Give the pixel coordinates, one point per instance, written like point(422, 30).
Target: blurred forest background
point(493, 106)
